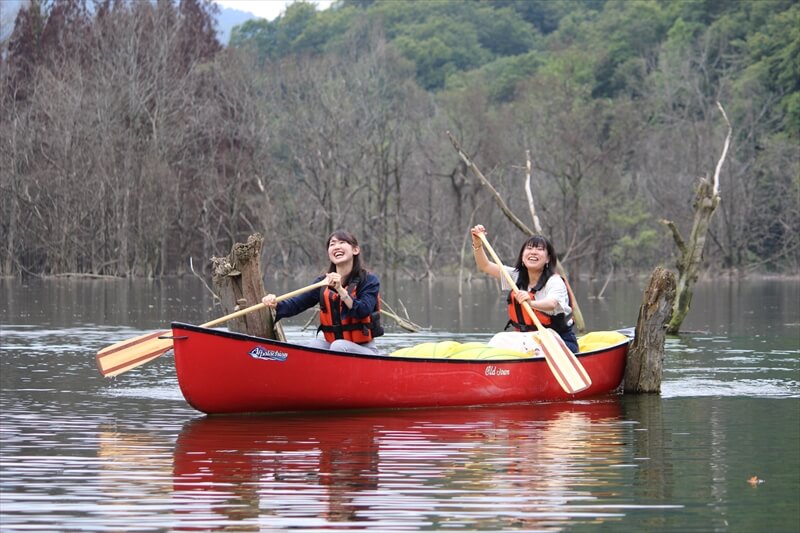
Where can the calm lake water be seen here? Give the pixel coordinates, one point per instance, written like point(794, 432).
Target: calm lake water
point(79, 452)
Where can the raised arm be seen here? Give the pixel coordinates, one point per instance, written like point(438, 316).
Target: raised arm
point(481, 260)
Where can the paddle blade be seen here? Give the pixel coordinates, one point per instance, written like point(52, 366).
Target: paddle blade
point(566, 368)
point(128, 354)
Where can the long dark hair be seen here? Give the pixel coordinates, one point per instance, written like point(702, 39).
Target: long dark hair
point(536, 241)
point(358, 271)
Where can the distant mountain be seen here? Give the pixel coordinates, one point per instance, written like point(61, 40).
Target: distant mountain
point(227, 19)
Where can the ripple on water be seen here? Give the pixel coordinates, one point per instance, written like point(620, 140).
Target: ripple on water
point(693, 386)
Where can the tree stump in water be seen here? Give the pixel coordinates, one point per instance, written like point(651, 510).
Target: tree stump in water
point(644, 366)
point(238, 282)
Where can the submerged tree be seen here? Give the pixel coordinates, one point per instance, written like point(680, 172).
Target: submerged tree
point(705, 203)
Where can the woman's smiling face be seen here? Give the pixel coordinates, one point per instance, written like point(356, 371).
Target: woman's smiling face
point(535, 257)
point(341, 251)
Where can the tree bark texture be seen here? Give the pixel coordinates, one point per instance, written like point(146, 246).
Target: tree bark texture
point(644, 367)
point(238, 282)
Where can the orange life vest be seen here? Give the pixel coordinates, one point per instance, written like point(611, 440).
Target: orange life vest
point(333, 326)
point(521, 321)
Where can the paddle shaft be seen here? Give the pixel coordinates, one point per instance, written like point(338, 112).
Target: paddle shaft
point(261, 305)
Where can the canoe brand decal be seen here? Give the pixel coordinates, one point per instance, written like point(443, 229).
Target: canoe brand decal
point(494, 371)
point(259, 352)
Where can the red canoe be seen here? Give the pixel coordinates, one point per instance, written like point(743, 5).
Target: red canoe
point(223, 372)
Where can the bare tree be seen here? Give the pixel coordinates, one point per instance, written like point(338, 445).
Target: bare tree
point(691, 252)
point(344, 139)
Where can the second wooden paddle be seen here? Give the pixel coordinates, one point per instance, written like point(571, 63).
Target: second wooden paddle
point(128, 354)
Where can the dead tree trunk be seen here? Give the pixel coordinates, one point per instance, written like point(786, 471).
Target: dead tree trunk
point(691, 254)
point(644, 366)
point(238, 282)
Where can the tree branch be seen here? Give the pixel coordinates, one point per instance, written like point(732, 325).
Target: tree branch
point(536, 224)
point(724, 150)
point(676, 235)
point(498, 199)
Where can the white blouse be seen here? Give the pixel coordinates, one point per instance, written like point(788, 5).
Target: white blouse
point(554, 288)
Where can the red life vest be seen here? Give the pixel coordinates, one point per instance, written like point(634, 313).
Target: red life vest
point(521, 321)
point(333, 326)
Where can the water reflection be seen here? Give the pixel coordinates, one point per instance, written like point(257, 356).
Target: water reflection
point(130, 462)
point(521, 466)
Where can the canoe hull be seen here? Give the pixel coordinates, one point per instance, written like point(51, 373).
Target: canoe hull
point(223, 372)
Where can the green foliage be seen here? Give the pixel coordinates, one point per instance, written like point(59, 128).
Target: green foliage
point(615, 47)
point(629, 32)
point(299, 30)
point(638, 237)
point(441, 38)
point(571, 67)
point(680, 37)
point(441, 47)
point(546, 15)
point(447, 37)
point(773, 51)
point(502, 76)
point(257, 34)
point(293, 23)
point(503, 32)
point(700, 12)
point(322, 32)
point(363, 4)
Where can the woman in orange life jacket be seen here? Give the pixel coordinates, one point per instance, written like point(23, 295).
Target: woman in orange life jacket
point(349, 305)
point(546, 293)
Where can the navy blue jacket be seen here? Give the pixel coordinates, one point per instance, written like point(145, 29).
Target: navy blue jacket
point(365, 302)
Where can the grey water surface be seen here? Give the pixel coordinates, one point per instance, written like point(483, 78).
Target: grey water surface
point(717, 450)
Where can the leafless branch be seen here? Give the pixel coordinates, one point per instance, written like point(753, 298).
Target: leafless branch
point(536, 224)
point(724, 149)
point(498, 199)
point(205, 284)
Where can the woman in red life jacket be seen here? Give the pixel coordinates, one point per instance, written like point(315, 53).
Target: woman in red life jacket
point(538, 284)
point(349, 304)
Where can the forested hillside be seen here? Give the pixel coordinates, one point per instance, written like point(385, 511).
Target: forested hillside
point(132, 140)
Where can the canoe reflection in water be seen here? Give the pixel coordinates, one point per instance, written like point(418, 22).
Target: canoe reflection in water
point(491, 467)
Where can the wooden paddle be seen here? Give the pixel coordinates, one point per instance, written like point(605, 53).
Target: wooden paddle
point(126, 355)
point(566, 368)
